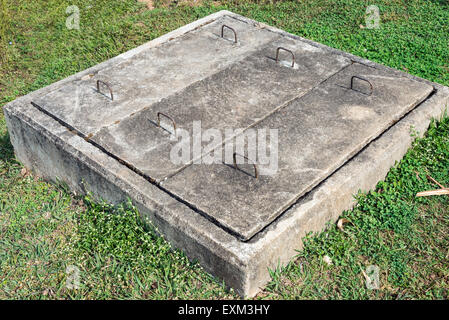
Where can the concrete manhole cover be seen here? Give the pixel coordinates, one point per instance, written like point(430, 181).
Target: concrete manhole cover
point(331, 124)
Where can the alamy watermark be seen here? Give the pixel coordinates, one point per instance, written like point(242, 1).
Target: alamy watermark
point(372, 277)
point(251, 146)
point(73, 20)
point(73, 277)
point(372, 17)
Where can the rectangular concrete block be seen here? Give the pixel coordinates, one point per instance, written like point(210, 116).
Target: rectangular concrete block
point(342, 122)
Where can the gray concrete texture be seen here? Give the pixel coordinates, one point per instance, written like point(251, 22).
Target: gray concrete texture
point(333, 140)
point(317, 134)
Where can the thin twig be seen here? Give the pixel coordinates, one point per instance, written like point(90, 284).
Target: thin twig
point(436, 182)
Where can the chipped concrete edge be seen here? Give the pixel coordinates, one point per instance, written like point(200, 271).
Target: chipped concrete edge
point(46, 147)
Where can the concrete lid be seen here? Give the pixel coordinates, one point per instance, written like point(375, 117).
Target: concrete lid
point(317, 134)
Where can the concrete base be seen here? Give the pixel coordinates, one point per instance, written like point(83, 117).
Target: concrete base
point(56, 153)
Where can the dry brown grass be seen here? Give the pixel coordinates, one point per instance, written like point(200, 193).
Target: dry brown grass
point(149, 3)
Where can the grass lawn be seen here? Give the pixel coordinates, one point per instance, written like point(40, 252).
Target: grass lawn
point(44, 230)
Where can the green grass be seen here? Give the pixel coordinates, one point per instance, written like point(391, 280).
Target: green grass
point(405, 236)
point(44, 229)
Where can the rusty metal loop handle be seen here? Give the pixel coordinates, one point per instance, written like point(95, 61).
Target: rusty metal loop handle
point(107, 85)
point(232, 29)
point(363, 79)
point(256, 173)
point(289, 51)
point(159, 114)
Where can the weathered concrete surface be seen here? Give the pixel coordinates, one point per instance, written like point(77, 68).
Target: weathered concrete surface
point(151, 75)
point(317, 133)
point(50, 150)
point(237, 97)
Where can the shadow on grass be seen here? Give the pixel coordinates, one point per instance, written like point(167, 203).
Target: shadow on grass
point(6, 149)
point(441, 2)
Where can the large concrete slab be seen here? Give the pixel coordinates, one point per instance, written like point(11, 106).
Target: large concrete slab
point(45, 144)
point(147, 77)
point(317, 133)
point(237, 97)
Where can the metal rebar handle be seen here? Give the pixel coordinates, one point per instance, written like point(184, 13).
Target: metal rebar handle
point(289, 51)
point(256, 174)
point(232, 29)
point(159, 114)
point(363, 79)
point(107, 85)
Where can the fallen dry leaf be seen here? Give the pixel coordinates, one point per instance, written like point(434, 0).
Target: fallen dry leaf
point(341, 222)
point(417, 175)
point(438, 192)
point(365, 275)
point(24, 172)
